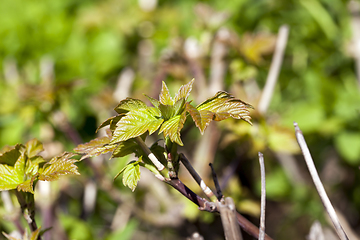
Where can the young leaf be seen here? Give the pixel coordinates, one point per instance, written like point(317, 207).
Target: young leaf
point(33, 147)
point(12, 154)
point(184, 91)
point(26, 186)
point(57, 166)
point(125, 148)
point(136, 123)
point(131, 174)
point(224, 105)
point(11, 177)
point(95, 147)
point(202, 118)
point(172, 128)
point(110, 121)
point(153, 101)
point(129, 104)
point(164, 96)
point(8, 179)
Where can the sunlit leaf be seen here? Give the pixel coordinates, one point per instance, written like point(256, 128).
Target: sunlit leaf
point(131, 175)
point(26, 186)
point(136, 123)
point(58, 166)
point(164, 96)
point(224, 105)
point(172, 127)
point(129, 104)
point(33, 147)
point(95, 147)
point(11, 177)
point(184, 91)
point(202, 118)
point(153, 101)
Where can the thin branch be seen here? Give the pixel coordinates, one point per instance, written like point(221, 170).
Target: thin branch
point(318, 184)
point(228, 219)
point(249, 227)
point(263, 197)
point(219, 194)
point(197, 178)
point(27, 204)
point(274, 69)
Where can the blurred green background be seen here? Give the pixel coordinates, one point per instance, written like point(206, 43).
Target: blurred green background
point(66, 64)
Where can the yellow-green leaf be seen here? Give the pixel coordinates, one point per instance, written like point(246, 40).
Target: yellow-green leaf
point(131, 174)
point(172, 127)
point(33, 147)
point(95, 147)
point(202, 118)
point(58, 166)
point(136, 123)
point(11, 177)
point(129, 104)
point(164, 96)
point(184, 91)
point(224, 105)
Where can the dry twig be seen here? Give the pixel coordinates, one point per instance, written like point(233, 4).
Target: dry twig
point(318, 184)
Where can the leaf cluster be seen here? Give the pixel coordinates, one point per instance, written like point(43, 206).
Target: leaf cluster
point(21, 166)
point(167, 116)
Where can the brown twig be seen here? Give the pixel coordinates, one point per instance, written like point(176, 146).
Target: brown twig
point(219, 194)
point(197, 178)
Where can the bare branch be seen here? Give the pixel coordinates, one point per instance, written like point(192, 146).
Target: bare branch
point(219, 194)
point(228, 219)
point(274, 69)
point(263, 197)
point(318, 184)
point(197, 178)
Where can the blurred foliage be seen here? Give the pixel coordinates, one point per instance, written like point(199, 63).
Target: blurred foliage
point(62, 62)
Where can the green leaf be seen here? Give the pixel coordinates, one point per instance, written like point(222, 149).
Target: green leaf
point(224, 105)
point(136, 123)
point(125, 148)
point(33, 147)
point(184, 91)
point(11, 177)
point(11, 155)
point(129, 104)
point(95, 147)
point(26, 186)
point(110, 121)
point(172, 127)
point(153, 101)
point(202, 118)
point(131, 174)
point(164, 96)
point(58, 166)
